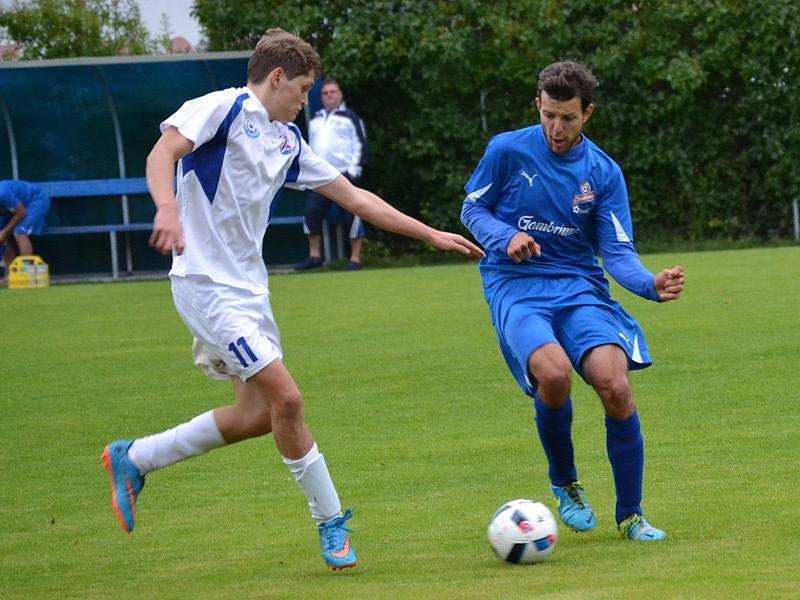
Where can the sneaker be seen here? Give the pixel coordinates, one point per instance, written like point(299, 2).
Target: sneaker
point(312, 262)
point(126, 482)
point(334, 542)
point(637, 528)
point(573, 508)
point(353, 266)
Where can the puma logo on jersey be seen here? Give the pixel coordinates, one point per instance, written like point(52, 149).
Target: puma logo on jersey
point(528, 177)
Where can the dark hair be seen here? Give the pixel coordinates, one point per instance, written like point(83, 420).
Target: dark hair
point(330, 81)
point(278, 48)
point(564, 80)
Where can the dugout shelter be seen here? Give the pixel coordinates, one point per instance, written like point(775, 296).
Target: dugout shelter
point(83, 127)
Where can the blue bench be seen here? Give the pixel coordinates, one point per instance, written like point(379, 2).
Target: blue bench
point(89, 188)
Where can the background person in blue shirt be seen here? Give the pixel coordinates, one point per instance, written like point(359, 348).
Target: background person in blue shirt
point(23, 208)
point(545, 201)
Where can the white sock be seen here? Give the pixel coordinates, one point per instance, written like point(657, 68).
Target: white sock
point(311, 474)
point(196, 437)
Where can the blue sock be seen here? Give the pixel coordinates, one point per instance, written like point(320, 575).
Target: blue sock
point(555, 432)
point(625, 448)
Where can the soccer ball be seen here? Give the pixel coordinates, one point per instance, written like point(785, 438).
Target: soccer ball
point(523, 531)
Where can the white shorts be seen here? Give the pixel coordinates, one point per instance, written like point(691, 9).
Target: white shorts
point(234, 330)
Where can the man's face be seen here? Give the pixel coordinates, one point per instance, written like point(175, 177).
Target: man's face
point(562, 121)
point(331, 96)
point(291, 96)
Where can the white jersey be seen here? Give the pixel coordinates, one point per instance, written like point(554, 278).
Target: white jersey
point(340, 138)
point(228, 183)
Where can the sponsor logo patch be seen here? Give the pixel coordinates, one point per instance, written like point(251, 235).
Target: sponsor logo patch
point(287, 145)
point(528, 223)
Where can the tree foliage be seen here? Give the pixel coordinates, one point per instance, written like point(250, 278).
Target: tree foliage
point(696, 103)
point(74, 28)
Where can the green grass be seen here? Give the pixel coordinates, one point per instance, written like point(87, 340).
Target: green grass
point(424, 432)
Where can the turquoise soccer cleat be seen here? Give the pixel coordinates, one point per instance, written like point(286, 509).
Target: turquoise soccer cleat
point(126, 482)
point(573, 508)
point(334, 542)
point(638, 529)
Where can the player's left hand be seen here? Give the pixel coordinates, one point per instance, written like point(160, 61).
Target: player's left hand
point(444, 240)
point(669, 283)
point(167, 231)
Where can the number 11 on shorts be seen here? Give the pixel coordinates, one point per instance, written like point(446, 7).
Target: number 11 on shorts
point(242, 343)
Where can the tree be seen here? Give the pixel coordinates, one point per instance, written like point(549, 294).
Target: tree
point(697, 101)
point(73, 28)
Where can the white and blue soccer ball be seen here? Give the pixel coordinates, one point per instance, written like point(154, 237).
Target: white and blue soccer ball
point(523, 531)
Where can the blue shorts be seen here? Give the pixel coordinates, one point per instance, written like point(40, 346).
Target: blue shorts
point(529, 312)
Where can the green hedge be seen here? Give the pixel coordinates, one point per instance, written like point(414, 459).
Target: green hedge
point(697, 101)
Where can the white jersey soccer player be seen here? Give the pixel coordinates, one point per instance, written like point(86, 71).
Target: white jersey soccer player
point(235, 149)
point(225, 217)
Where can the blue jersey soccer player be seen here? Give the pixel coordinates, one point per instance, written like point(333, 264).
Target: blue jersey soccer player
point(544, 202)
point(235, 149)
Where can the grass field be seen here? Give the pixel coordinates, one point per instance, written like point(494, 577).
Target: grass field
point(425, 434)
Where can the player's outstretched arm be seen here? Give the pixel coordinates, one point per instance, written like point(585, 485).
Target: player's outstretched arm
point(375, 210)
point(669, 283)
point(167, 230)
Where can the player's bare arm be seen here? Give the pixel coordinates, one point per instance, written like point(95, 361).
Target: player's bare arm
point(522, 246)
point(669, 283)
point(375, 210)
point(167, 231)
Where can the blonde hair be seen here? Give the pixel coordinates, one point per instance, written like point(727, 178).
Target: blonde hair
point(279, 48)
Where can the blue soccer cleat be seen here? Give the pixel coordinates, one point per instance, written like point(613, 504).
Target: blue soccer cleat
point(126, 482)
point(638, 529)
point(334, 542)
point(573, 508)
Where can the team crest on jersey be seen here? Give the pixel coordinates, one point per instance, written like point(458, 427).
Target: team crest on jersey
point(287, 146)
point(250, 129)
point(586, 195)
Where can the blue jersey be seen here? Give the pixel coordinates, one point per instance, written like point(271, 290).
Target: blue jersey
point(575, 205)
point(13, 192)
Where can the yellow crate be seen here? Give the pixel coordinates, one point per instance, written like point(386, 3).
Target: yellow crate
point(27, 272)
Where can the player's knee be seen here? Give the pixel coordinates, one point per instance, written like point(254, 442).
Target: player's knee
point(288, 406)
point(554, 378)
point(615, 393)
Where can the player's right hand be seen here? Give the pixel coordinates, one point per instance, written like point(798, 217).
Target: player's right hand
point(522, 247)
point(167, 231)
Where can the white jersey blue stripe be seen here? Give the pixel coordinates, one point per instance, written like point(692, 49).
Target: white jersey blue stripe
point(228, 184)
